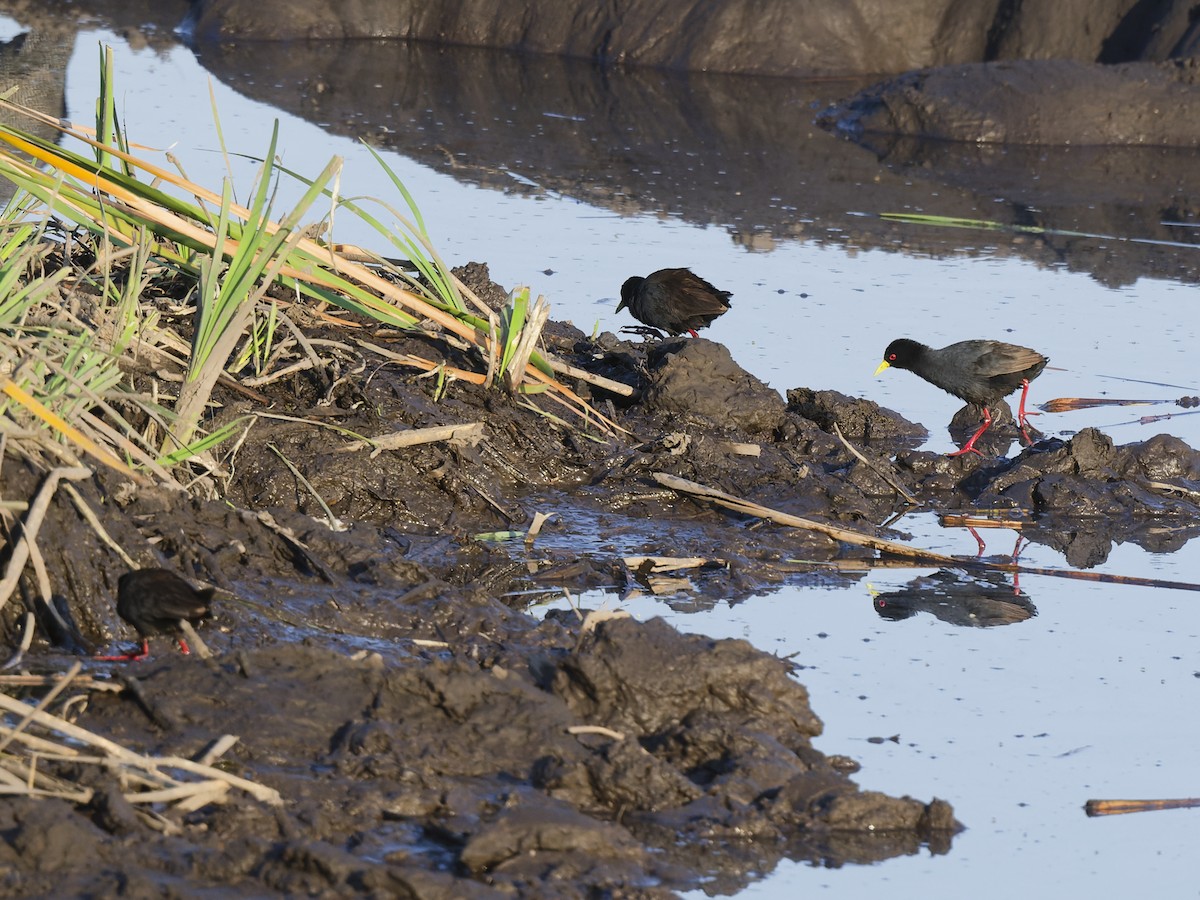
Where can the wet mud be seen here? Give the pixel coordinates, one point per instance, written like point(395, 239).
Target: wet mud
point(431, 731)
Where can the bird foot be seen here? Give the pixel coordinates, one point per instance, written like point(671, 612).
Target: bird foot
point(966, 449)
point(969, 446)
point(1022, 415)
point(645, 332)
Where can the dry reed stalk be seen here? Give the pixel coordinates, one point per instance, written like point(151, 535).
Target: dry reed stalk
point(1121, 807)
point(469, 433)
point(886, 476)
point(136, 766)
point(32, 523)
point(746, 507)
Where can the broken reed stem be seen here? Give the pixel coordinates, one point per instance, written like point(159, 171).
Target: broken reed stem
point(535, 321)
point(469, 433)
point(1076, 575)
point(146, 765)
point(596, 729)
point(655, 564)
point(86, 683)
point(418, 362)
point(59, 687)
point(194, 641)
point(45, 591)
point(260, 792)
point(219, 748)
point(737, 504)
point(886, 476)
point(90, 517)
point(1120, 807)
point(565, 368)
point(32, 523)
point(28, 629)
point(1175, 488)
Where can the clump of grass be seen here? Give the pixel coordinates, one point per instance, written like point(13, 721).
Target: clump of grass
point(141, 225)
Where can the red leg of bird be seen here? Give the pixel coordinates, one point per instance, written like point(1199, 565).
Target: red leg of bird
point(692, 332)
point(1017, 572)
point(128, 657)
point(1022, 416)
point(969, 446)
point(978, 540)
point(1017, 546)
point(183, 647)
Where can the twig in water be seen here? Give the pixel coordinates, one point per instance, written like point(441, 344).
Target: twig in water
point(1120, 807)
point(737, 504)
point(746, 507)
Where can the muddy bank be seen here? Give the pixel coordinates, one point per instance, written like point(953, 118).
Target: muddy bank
point(536, 761)
point(778, 37)
point(430, 732)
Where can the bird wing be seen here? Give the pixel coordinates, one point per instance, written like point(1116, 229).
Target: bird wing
point(702, 297)
point(1004, 359)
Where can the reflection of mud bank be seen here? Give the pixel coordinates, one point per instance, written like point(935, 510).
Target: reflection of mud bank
point(737, 152)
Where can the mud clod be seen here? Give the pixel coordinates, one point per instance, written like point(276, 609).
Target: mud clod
point(698, 379)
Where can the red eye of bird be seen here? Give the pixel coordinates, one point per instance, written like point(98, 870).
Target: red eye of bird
point(891, 357)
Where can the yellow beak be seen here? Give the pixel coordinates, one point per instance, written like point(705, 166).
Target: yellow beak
point(883, 365)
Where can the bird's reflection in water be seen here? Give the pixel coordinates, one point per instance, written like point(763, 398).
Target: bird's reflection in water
point(975, 599)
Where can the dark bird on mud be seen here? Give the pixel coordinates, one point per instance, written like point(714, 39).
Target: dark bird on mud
point(154, 601)
point(979, 372)
point(673, 300)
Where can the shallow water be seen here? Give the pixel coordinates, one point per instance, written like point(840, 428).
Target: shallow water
point(1017, 726)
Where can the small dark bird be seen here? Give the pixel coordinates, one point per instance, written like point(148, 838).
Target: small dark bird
point(673, 300)
point(153, 601)
point(979, 372)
